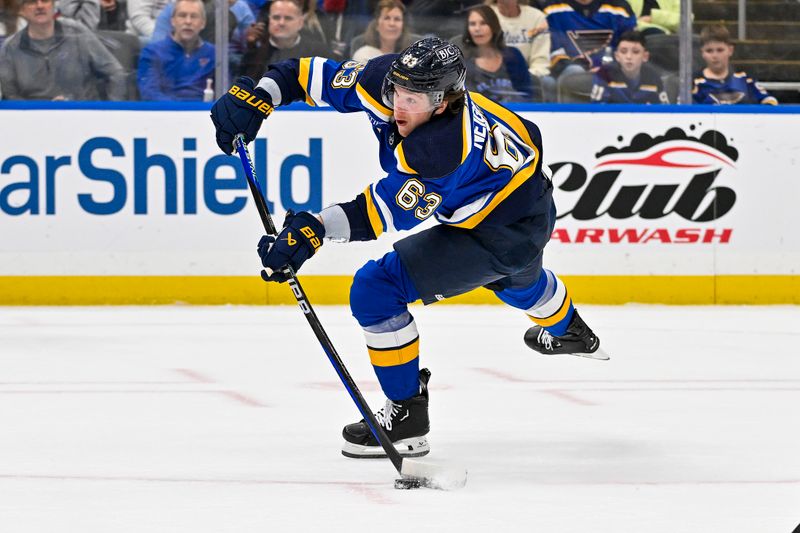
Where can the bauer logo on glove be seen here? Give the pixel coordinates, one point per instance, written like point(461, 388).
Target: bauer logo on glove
point(240, 111)
point(300, 238)
point(251, 100)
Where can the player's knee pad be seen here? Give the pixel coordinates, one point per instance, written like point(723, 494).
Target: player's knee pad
point(367, 294)
point(381, 290)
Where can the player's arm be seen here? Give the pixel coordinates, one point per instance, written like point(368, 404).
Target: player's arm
point(398, 202)
point(347, 87)
point(381, 207)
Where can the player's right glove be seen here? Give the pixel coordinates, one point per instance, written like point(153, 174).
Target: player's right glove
point(241, 110)
point(300, 238)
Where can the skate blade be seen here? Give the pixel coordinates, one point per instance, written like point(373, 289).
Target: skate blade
point(413, 447)
point(598, 354)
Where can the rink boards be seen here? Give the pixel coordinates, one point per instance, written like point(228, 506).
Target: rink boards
point(122, 205)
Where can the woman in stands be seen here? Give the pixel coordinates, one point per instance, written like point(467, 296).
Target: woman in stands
point(387, 33)
point(495, 70)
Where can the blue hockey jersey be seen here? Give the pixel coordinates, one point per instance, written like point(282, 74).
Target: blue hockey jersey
point(737, 88)
point(480, 166)
point(610, 85)
point(582, 32)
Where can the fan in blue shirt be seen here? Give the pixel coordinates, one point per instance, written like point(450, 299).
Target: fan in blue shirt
point(177, 67)
point(580, 30)
point(719, 83)
point(629, 79)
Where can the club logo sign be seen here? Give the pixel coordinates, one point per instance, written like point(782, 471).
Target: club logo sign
point(661, 189)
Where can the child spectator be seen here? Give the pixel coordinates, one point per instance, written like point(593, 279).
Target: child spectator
point(177, 67)
point(57, 60)
point(629, 79)
point(495, 70)
point(582, 32)
point(719, 82)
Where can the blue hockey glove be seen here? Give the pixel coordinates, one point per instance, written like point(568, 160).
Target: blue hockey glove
point(241, 110)
point(300, 238)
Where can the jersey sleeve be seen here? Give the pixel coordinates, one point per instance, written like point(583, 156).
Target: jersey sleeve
point(759, 94)
point(397, 202)
point(347, 86)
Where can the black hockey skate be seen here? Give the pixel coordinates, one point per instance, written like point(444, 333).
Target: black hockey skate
point(579, 340)
point(406, 423)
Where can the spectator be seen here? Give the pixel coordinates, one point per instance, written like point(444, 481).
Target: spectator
point(629, 79)
point(525, 28)
point(240, 20)
point(718, 82)
point(495, 70)
point(142, 16)
point(57, 60)
point(343, 21)
point(10, 20)
point(87, 12)
point(177, 67)
point(284, 37)
point(387, 33)
point(657, 17)
point(441, 18)
point(113, 15)
point(581, 31)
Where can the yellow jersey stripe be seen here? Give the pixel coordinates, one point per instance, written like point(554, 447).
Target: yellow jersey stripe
point(374, 103)
point(509, 118)
point(394, 356)
point(372, 212)
point(557, 8)
point(303, 78)
point(555, 318)
point(519, 178)
point(401, 160)
point(606, 8)
point(466, 142)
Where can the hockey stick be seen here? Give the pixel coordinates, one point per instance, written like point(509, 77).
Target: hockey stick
point(414, 473)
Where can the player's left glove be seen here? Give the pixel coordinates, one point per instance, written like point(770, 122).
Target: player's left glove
point(241, 110)
point(300, 238)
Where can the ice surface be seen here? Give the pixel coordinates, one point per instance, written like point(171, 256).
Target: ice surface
point(228, 419)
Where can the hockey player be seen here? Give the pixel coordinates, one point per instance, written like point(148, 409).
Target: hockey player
point(472, 164)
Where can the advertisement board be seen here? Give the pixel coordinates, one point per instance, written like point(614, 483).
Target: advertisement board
point(142, 207)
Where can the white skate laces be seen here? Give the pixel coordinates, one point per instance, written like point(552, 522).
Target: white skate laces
point(545, 338)
point(385, 415)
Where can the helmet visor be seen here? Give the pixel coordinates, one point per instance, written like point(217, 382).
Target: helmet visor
point(413, 102)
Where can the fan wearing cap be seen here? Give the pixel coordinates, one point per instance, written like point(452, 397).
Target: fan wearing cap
point(471, 164)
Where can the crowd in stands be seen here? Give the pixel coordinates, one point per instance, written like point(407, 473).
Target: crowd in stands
point(603, 51)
